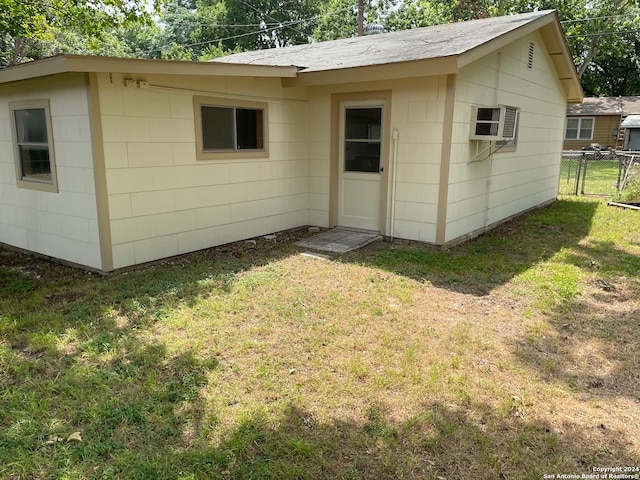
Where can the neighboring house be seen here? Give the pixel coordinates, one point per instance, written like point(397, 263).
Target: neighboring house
point(433, 135)
point(611, 122)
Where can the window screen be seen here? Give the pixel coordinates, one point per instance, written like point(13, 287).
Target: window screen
point(579, 128)
point(363, 140)
point(488, 121)
point(217, 128)
point(231, 128)
point(33, 145)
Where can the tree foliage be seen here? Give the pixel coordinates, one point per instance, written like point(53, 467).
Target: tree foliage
point(338, 19)
point(203, 29)
point(277, 22)
point(602, 34)
point(416, 13)
point(34, 28)
point(603, 38)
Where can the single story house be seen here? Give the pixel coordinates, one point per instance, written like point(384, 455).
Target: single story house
point(433, 135)
point(611, 122)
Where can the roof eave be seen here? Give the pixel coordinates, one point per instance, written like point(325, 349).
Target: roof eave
point(84, 64)
point(593, 114)
point(389, 71)
point(555, 42)
point(558, 49)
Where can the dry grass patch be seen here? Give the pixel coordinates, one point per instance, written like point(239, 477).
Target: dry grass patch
point(512, 356)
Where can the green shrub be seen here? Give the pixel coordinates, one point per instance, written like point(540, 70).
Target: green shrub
point(631, 193)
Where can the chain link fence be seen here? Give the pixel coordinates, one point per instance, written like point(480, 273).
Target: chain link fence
point(595, 172)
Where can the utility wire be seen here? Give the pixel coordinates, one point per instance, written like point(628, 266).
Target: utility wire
point(255, 25)
point(602, 34)
point(588, 19)
point(270, 27)
point(599, 34)
point(269, 16)
point(261, 31)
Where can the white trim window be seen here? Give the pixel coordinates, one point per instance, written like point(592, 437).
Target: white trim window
point(579, 128)
point(33, 143)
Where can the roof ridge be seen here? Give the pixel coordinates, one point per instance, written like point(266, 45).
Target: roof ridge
point(422, 43)
point(364, 38)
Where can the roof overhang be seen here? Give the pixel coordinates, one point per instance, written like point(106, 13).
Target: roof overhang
point(548, 26)
point(555, 43)
point(594, 114)
point(92, 64)
point(389, 71)
point(632, 121)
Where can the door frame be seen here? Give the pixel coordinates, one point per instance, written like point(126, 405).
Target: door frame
point(382, 98)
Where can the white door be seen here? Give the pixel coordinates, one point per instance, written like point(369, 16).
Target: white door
point(360, 165)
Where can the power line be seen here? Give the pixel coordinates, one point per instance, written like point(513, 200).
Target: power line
point(268, 16)
point(280, 25)
point(253, 25)
point(602, 34)
point(588, 19)
point(181, 17)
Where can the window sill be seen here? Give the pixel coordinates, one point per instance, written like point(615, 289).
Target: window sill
point(36, 185)
point(232, 155)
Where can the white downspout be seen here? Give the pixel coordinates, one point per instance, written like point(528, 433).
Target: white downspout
point(394, 164)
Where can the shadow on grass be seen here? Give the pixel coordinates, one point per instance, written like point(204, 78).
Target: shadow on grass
point(592, 344)
point(492, 259)
point(76, 355)
point(137, 400)
point(70, 297)
point(441, 441)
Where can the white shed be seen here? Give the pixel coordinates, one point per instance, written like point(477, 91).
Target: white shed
point(432, 134)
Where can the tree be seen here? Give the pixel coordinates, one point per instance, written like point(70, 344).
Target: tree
point(417, 13)
point(263, 24)
point(602, 35)
point(615, 69)
point(205, 29)
point(27, 26)
point(141, 40)
point(338, 19)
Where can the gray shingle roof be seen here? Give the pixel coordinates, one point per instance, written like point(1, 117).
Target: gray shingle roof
point(394, 47)
point(605, 106)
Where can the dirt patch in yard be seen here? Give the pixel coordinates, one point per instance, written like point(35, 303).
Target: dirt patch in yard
point(514, 355)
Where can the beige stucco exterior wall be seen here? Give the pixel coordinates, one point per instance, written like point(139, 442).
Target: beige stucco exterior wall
point(482, 193)
point(150, 197)
point(417, 115)
point(319, 156)
point(60, 224)
point(162, 201)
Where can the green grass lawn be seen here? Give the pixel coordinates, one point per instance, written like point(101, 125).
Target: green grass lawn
point(600, 178)
point(512, 356)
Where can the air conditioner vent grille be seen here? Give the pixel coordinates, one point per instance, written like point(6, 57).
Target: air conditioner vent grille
point(496, 123)
point(510, 118)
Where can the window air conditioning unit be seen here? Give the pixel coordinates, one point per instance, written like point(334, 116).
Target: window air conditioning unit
point(493, 123)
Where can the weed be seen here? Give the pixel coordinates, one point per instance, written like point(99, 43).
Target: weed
point(393, 361)
point(14, 282)
point(631, 192)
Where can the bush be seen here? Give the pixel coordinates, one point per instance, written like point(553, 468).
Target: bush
point(631, 192)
